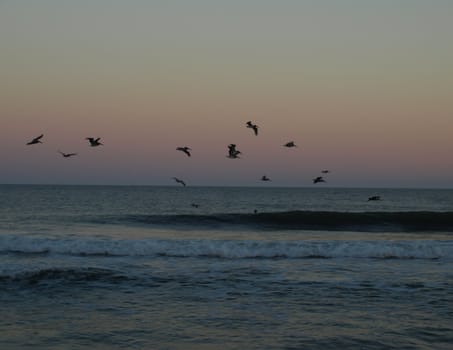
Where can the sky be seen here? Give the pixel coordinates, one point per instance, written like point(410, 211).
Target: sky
point(363, 87)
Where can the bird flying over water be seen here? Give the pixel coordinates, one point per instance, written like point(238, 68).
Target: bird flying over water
point(67, 155)
point(179, 181)
point(252, 126)
point(94, 142)
point(290, 144)
point(36, 140)
point(325, 171)
point(233, 153)
point(265, 178)
point(374, 198)
point(184, 149)
point(318, 179)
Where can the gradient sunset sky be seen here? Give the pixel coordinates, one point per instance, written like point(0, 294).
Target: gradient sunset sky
point(365, 88)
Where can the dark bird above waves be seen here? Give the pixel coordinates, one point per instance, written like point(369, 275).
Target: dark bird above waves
point(318, 179)
point(374, 198)
point(233, 153)
point(184, 149)
point(325, 171)
point(67, 155)
point(94, 142)
point(250, 125)
point(231, 147)
point(36, 140)
point(179, 181)
point(265, 178)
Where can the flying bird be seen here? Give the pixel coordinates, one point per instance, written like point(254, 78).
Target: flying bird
point(290, 144)
point(318, 179)
point(179, 181)
point(231, 148)
point(233, 153)
point(265, 178)
point(94, 142)
point(374, 198)
point(325, 171)
point(184, 149)
point(36, 140)
point(252, 126)
point(67, 155)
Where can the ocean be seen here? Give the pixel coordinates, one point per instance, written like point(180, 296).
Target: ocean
point(143, 267)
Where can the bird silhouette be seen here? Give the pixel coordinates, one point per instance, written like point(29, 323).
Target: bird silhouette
point(252, 126)
point(374, 198)
point(94, 142)
point(318, 179)
point(36, 140)
point(179, 181)
point(265, 178)
point(233, 153)
point(325, 171)
point(290, 144)
point(184, 149)
point(67, 155)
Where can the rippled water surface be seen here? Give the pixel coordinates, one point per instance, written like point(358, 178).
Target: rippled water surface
point(141, 267)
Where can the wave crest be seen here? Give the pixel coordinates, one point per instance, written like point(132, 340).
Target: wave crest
point(231, 249)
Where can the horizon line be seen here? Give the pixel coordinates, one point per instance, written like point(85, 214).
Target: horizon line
point(230, 186)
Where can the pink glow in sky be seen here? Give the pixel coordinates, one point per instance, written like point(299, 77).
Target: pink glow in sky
point(363, 87)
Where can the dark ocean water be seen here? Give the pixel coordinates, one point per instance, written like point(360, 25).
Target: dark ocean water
point(197, 268)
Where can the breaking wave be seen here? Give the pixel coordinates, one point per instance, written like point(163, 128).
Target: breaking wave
point(230, 249)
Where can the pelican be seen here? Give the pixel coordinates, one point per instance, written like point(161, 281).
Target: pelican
point(67, 155)
point(374, 198)
point(179, 181)
point(36, 140)
point(94, 142)
point(252, 126)
point(233, 153)
point(290, 144)
point(318, 179)
point(231, 148)
point(184, 149)
point(265, 178)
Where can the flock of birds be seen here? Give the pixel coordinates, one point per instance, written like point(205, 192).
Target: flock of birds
point(93, 143)
point(233, 153)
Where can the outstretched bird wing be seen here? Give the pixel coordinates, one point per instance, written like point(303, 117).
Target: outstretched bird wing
point(179, 181)
point(184, 149)
point(36, 140)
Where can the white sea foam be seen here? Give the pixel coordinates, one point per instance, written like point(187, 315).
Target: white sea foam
point(231, 249)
